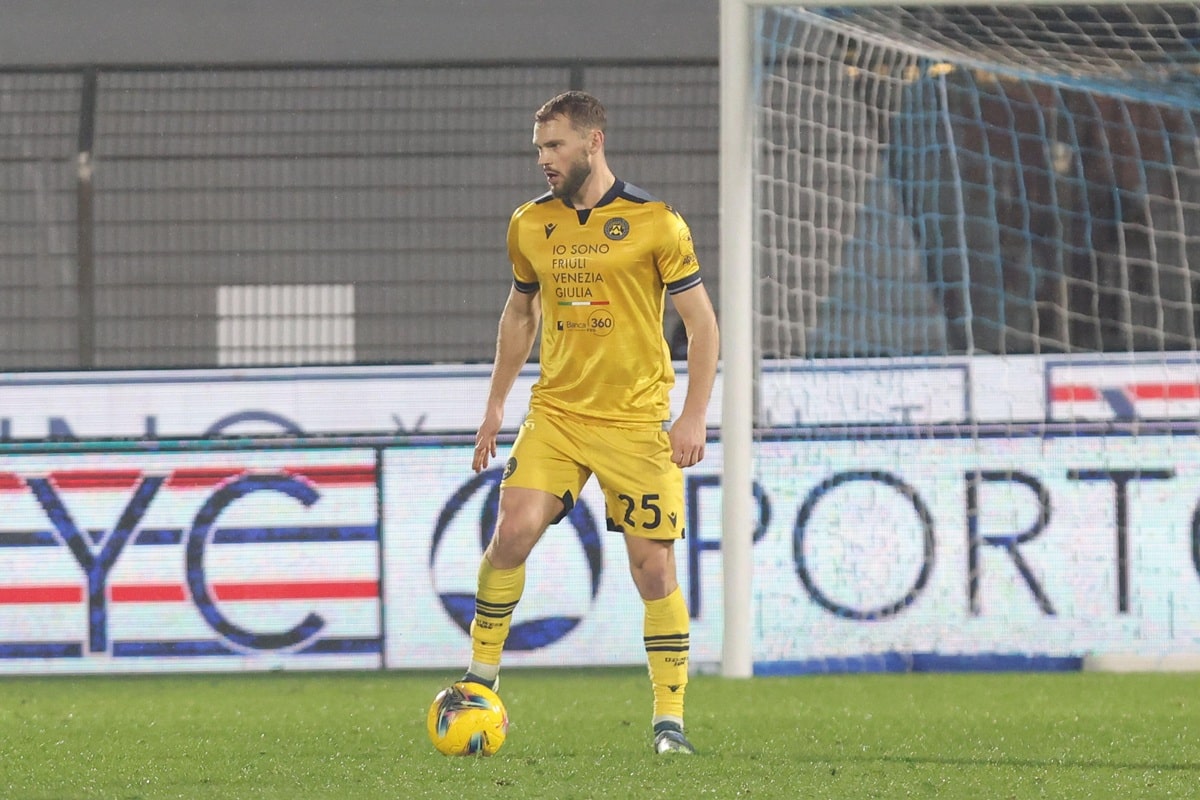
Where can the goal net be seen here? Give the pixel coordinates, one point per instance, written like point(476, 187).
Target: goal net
point(968, 294)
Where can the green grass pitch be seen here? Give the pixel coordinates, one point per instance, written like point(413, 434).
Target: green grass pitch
point(585, 734)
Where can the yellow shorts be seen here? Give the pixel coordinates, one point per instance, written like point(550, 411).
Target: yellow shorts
point(643, 487)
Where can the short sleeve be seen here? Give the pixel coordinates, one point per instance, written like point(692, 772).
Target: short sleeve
point(524, 276)
point(676, 254)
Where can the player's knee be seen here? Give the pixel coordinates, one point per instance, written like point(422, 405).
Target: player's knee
point(655, 584)
point(655, 579)
point(510, 545)
point(652, 566)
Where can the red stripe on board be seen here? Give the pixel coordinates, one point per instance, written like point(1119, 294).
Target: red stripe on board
point(344, 475)
point(1076, 394)
point(1165, 391)
point(96, 478)
point(194, 478)
point(147, 593)
point(299, 590)
point(40, 594)
point(292, 590)
point(201, 477)
point(11, 482)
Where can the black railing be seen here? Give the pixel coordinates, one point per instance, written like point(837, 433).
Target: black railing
point(197, 216)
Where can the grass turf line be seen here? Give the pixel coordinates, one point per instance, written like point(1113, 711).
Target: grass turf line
point(585, 734)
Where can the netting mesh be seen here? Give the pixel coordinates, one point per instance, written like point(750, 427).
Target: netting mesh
point(929, 185)
point(977, 253)
point(1135, 49)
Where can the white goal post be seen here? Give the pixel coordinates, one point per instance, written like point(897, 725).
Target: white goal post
point(737, 326)
point(1003, 213)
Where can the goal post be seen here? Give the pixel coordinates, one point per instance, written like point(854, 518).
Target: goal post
point(959, 272)
point(737, 327)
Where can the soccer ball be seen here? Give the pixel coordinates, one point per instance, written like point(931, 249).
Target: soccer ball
point(467, 719)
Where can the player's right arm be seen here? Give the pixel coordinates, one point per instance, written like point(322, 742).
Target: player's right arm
point(514, 342)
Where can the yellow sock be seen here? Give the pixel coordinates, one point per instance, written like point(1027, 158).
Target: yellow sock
point(666, 637)
point(495, 599)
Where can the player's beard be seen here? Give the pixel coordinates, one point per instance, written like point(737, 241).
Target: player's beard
point(573, 180)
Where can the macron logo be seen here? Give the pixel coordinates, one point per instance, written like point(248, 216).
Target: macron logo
point(550, 226)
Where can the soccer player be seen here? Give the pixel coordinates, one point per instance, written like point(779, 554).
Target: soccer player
point(593, 260)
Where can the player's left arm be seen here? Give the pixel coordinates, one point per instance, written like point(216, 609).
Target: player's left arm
point(690, 431)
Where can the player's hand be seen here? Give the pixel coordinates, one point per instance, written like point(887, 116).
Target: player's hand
point(485, 440)
point(688, 435)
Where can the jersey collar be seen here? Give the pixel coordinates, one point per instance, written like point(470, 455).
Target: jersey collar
point(613, 192)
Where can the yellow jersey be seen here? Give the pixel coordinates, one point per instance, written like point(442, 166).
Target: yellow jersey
point(603, 274)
